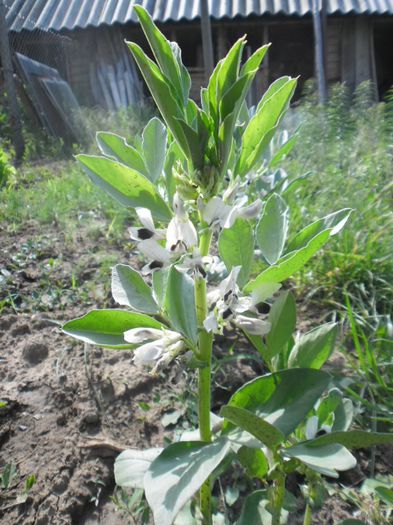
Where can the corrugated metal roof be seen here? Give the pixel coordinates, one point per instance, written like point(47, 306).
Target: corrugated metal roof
point(59, 15)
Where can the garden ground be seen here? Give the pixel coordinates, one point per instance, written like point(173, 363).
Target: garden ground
point(66, 410)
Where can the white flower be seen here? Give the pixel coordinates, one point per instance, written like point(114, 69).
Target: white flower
point(159, 345)
point(181, 237)
point(219, 214)
point(181, 234)
point(252, 325)
point(148, 230)
point(313, 428)
point(227, 305)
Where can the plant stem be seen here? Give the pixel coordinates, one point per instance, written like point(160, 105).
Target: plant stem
point(278, 498)
point(205, 344)
point(307, 515)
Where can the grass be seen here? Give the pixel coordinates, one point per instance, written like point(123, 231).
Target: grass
point(348, 149)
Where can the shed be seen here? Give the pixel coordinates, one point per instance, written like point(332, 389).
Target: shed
point(358, 37)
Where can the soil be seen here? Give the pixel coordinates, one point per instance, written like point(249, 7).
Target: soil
point(69, 409)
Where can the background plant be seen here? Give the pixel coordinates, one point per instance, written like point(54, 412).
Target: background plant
point(194, 181)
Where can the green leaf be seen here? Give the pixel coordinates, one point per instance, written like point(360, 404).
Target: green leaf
point(256, 426)
point(177, 473)
point(254, 61)
point(385, 494)
point(129, 289)
point(327, 459)
point(272, 90)
point(229, 109)
point(328, 405)
point(283, 151)
point(154, 139)
point(113, 145)
point(284, 398)
point(131, 466)
point(162, 95)
point(127, 186)
point(163, 53)
point(236, 247)
point(272, 229)
point(173, 154)
point(195, 146)
point(334, 221)
point(353, 439)
point(180, 304)
point(266, 117)
point(229, 70)
point(160, 281)
point(106, 327)
point(254, 461)
point(290, 263)
point(282, 318)
point(256, 507)
point(314, 348)
point(343, 415)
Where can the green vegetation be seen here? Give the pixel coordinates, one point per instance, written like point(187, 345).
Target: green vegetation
point(348, 150)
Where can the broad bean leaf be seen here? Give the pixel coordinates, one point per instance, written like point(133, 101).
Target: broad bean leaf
point(314, 348)
point(254, 61)
point(236, 247)
point(265, 119)
point(282, 318)
point(178, 472)
point(131, 466)
point(334, 221)
point(169, 108)
point(228, 73)
point(290, 263)
point(385, 494)
point(166, 55)
point(126, 185)
point(113, 145)
point(326, 459)
point(254, 461)
point(283, 151)
point(180, 304)
point(284, 398)
point(343, 415)
point(106, 327)
point(154, 140)
point(256, 426)
point(328, 405)
point(272, 228)
point(255, 510)
point(353, 439)
point(129, 289)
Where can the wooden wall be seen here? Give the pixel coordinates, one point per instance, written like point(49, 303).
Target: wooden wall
point(349, 51)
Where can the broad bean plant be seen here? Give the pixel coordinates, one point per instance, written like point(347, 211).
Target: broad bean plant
point(216, 248)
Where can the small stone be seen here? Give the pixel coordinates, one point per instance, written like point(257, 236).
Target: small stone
point(91, 418)
point(35, 352)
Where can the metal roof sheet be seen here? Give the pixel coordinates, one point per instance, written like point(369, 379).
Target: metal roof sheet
point(59, 15)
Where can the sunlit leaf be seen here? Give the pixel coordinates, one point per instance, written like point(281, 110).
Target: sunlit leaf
point(178, 472)
point(106, 327)
point(272, 228)
point(236, 247)
point(127, 186)
point(129, 289)
point(315, 347)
